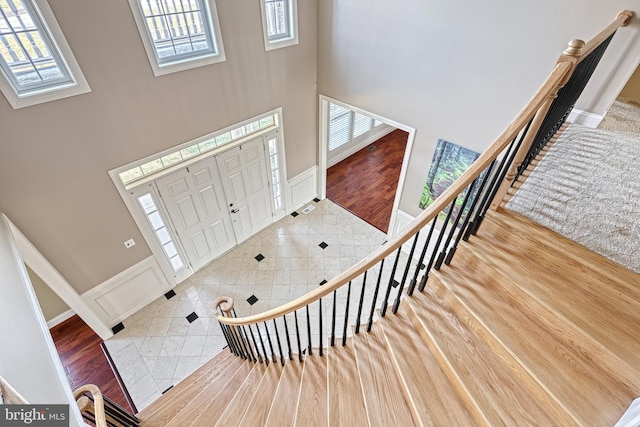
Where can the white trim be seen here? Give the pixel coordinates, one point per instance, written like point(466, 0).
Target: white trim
point(402, 219)
point(323, 145)
point(302, 188)
point(58, 284)
point(284, 42)
point(585, 118)
point(79, 85)
point(55, 385)
point(354, 148)
point(128, 291)
point(60, 318)
point(185, 64)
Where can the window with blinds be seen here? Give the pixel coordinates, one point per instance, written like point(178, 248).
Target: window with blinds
point(346, 126)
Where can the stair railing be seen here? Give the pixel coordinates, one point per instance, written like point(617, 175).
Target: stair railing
point(403, 264)
point(101, 411)
point(554, 113)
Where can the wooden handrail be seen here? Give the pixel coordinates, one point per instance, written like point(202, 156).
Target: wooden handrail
point(548, 89)
point(621, 20)
point(9, 394)
point(84, 403)
point(539, 102)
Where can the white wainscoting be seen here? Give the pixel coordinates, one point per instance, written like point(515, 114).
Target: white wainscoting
point(402, 220)
point(303, 188)
point(127, 292)
point(585, 118)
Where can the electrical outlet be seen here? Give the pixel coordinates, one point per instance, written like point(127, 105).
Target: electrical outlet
point(129, 243)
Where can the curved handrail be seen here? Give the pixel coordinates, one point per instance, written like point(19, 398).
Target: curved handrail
point(85, 403)
point(536, 107)
point(548, 90)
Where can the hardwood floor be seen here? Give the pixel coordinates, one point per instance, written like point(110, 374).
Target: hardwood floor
point(366, 182)
point(84, 361)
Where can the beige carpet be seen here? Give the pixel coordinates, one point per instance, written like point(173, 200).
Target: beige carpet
point(587, 188)
point(622, 117)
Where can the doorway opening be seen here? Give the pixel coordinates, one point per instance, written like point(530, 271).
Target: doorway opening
point(365, 183)
point(363, 161)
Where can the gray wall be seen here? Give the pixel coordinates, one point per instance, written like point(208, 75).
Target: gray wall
point(50, 303)
point(55, 156)
point(456, 70)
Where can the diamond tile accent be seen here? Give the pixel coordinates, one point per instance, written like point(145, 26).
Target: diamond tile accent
point(323, 245)
point(169, 388)
point(323, 282)
point(294, 214)
point(259, 257)
point(117, 328)
point(395, 283)
point(168, 346)
point(170, 294)
point(316, 200)
point(192, 317)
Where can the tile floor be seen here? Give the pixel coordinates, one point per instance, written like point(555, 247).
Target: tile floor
point(171, 337)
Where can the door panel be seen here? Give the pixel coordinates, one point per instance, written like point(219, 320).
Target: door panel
point(243, 171)
point(195, 201)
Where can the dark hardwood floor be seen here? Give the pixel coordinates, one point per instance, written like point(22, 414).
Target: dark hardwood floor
point(84, 361)
point(366, 182)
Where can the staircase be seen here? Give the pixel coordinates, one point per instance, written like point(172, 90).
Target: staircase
point(524, 328)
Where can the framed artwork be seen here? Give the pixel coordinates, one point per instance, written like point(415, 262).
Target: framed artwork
point(449, 162)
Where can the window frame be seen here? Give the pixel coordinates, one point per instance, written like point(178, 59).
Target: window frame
point(76, 84)
point(281, 42)
point(184, 63)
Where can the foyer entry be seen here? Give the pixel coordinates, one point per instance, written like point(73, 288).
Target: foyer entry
point(196, 201)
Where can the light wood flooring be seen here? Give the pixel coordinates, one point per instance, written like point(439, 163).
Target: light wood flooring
point(366, 182)
point(523, 328)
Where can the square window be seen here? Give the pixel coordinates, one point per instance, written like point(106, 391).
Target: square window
point(36, 62)
point(178, 35)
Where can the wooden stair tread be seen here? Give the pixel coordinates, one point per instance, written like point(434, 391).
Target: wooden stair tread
point(346, 402)
point(285, 399)
point(210, 392)
point(590, 381)
point(495, 388)
point(238, 405)
point(176, 398)
point(312, 405)
point(382, 390)
point(432, 398)
point(212, 412)
point(584, 288)
point(262, 399)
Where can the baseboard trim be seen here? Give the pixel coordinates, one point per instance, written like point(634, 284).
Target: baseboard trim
point(60, 318)
point(585, 118)
point(335, 158)
point(127, 292)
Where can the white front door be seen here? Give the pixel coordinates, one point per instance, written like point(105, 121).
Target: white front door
point(243, 170)
point(196, 203)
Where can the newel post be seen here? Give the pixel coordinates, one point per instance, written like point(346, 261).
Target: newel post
point(223, 307)
point(572, 55)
